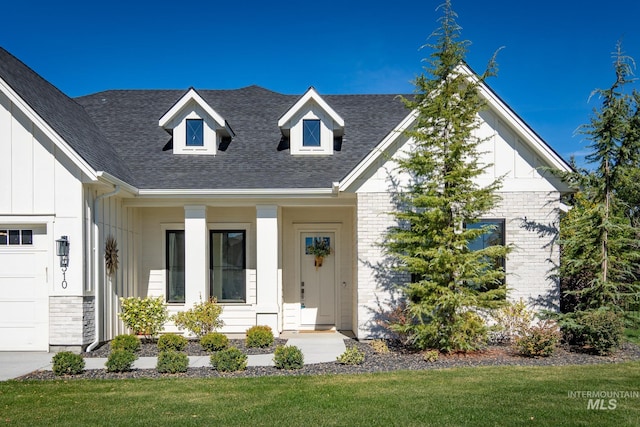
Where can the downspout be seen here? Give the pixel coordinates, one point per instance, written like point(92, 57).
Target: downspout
point(96, 270)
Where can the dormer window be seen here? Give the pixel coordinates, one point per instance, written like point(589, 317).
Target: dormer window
point(311, 126)
point(311, 133)
point(195, 133)
point(196, 127)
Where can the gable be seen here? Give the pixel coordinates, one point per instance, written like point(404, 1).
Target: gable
point(513, 149)
point(311, 125)
point(195, 126)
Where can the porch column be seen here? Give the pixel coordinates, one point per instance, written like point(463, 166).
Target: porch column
point(195, 250)
point(267, 266)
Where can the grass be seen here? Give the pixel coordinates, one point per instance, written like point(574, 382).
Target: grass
point(466, 396)
point(632, 335)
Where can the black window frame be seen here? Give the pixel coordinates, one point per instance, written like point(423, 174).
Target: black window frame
point(304, 133)
point(168, 297)
point(219, 298)
point(200, 134)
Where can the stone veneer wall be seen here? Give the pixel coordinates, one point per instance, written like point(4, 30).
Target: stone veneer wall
point(71, 322)
point(528, 266)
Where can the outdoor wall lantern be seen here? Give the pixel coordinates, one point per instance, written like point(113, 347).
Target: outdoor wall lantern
point(62, 250)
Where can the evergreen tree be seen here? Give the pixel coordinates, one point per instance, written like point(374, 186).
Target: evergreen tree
point(431, 242)
point(599, 236)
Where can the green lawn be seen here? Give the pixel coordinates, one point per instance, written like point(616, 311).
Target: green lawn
point(509, 396)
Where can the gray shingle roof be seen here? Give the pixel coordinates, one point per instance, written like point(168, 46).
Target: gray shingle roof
point(65, 116)
point(255, 158)
point(117, 132)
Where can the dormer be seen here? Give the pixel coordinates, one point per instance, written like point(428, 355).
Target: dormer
point(311, 125)
point(196, 127)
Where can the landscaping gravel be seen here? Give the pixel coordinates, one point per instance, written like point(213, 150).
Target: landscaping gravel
point(397, 359)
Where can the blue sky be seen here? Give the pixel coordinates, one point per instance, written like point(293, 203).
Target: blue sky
point(555, 52)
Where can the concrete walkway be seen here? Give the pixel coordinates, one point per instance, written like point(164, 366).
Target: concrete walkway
point(316, 347)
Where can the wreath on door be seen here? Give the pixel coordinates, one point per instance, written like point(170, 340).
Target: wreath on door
point(111, 255)
point(319, 249)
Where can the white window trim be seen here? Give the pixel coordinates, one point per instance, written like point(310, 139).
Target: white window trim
point(223, 226)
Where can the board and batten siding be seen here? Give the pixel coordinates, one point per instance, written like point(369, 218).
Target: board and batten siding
point(40, 185)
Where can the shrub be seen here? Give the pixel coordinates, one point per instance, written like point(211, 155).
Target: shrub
point(120, 360)
point(431, 356)
point(203, 318)
point(125, 342)
point(351, 356)
point(67, 363)
point(259, 336)
point(288, 357)
point(172, 342)
point(144, 316)
point(214, 341)
point(229, 360)
point(539, 340)
point(379, 346)
point(512, 320)
point(598, 331)
point(171, 362)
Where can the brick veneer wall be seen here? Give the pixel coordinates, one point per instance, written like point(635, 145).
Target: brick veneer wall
point(530, 228)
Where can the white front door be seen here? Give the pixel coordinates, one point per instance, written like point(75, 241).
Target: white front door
point(317, 282)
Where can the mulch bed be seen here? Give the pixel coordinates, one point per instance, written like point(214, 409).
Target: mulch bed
point(396, 359)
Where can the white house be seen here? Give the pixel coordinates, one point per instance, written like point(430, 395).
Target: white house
point(220, 193)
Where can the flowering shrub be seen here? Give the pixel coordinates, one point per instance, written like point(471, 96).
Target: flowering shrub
point(512, 320)
point(144, 316)
point(203, 318)
point(539, 340)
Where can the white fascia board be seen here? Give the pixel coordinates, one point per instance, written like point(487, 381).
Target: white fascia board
point(112, 180)
point(378, 151)
point(506, 113)
point(238, 193)
point(66, 149)
point(310, 94)
point(192, 95)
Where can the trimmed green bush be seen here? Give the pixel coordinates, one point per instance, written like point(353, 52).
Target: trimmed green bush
point(351, 356)
point(144, 316)
point(539, 340)
point(229, 360)
point(172, 342)
point(379, 346)
point(203, 318)
point(259, 336)
point(214, 341)
point(67, 363)
point(595, 331)
point(171, 362)
point(120, 360)
point(431, 356)
point(125, 342)
point(288, 357)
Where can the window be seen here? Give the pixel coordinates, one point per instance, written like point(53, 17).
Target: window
point(494, 236)
point(175, 260)
point(311, 133)
point(227, 275)
point(195, 133)
point(16, 237)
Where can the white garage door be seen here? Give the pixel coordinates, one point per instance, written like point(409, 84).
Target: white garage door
point(24, 308)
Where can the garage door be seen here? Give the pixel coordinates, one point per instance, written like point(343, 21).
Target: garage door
point(24, 309)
